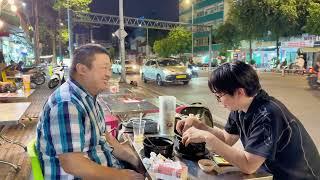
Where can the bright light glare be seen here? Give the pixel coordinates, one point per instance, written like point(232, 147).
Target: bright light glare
point(1, 23)
point(188, 1)
point(14, 8)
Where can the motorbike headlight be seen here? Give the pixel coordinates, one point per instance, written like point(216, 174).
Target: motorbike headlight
point(189, 71)
point(195, 68)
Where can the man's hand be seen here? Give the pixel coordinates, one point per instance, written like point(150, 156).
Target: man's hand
point(127, 174)
point(125, 152)
point(194, 135)
point(184, 124)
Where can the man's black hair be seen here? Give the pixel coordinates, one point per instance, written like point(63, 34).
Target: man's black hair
point(85, 55)
point(228, 77)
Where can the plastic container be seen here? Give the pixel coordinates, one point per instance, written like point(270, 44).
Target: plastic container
point(167, 113)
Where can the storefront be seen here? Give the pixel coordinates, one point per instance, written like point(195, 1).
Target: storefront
point(16, 47)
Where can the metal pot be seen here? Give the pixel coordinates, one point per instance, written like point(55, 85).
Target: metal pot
point(191, 149)
point(158, 145)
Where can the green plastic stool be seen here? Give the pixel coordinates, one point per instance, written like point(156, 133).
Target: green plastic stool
point(35, 163)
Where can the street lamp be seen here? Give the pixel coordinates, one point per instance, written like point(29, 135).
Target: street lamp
point(192, 9)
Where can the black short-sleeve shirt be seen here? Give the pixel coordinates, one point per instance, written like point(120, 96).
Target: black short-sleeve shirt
point(270, 130)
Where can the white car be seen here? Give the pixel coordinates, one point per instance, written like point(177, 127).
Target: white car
point(165, 70)
point(131, 67)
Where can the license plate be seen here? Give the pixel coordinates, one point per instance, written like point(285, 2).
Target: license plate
point(181, 76)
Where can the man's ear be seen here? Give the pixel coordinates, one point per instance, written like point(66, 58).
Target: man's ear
point(81, 69)
point(241, 92)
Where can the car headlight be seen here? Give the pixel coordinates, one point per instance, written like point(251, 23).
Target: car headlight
point(189, 71)
point(166, 72)
point(134, 67)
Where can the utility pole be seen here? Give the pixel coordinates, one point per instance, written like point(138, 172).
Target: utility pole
point(210, 51)
point(36, 32)
point(147, 46)
point(70, 33)
point(122, 48)
point(60, 46)
point(192, 9)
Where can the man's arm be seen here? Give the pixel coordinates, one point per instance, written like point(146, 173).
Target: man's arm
point(247, 162)
point(224, 136)
point(80, 166)
point(124, 151)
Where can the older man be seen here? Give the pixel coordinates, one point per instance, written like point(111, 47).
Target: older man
point(71, 138)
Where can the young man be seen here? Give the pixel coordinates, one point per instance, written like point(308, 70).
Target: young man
point(72, 140)
point(273, 138)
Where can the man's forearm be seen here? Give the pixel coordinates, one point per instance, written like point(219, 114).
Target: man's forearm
point(80, 166)
point(215, 131)
point(233, 155)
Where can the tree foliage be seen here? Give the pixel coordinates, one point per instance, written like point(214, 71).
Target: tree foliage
point(178, 41)
point(228, 35)
point(75, 5)
point(260, 18)
point(313, 20)
point(51, 14)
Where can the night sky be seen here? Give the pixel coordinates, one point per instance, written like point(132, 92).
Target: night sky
point(151, 9)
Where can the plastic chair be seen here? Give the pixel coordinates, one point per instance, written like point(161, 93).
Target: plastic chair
point(35, 163)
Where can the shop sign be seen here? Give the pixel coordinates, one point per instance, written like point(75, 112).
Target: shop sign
point(307, 37)
point(297, 44)
point(316, 44)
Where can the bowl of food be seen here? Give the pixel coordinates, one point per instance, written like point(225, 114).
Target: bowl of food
point(190, 149)
point(158, 145)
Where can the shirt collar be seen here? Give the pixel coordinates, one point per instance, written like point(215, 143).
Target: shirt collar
point(261, 97)
point(79, 89)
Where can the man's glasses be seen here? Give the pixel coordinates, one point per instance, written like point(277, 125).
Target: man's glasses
point(219, 96)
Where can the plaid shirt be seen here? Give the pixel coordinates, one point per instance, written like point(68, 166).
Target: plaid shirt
point(72, 121)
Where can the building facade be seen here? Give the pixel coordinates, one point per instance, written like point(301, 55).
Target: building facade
point(205, 12)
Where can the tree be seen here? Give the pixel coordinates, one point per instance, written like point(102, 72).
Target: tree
point(178, 41)
point(50, 14)
point(247, 16)
point(181, 40)
point(163, 47)
point(228, 35)
point(155, 35)
point(281, 18)
point(313, 23)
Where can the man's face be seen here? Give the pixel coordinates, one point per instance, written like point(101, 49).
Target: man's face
point(100, 73)
point(228, 101)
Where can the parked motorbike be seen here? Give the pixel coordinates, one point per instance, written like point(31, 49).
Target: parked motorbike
point(37, 74)
point(312, 81)
point(57, 77)
point(194, 70)
point(38, 77)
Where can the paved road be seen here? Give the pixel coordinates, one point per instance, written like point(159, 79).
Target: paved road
point(291, 90)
